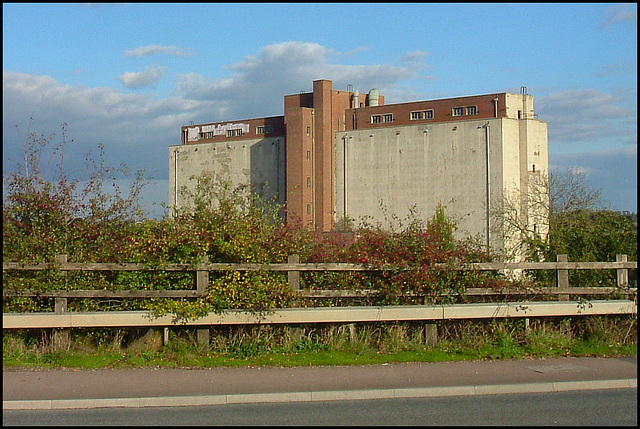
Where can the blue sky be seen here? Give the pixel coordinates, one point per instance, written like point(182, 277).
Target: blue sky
point(130, 75)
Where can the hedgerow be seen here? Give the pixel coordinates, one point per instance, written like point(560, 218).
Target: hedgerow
point(44, 218)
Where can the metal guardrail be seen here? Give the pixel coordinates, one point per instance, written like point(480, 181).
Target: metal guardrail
point(391, 313)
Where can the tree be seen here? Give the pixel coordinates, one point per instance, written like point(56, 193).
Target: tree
point(43, 217)
point(578, 225)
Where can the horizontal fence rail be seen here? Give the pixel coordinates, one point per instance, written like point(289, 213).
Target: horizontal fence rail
point(294, 269)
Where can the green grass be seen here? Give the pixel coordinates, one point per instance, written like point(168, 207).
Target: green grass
point(111, 359)
point(331, 345)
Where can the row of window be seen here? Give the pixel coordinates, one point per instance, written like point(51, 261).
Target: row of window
point(262, 129)
point(425, 114)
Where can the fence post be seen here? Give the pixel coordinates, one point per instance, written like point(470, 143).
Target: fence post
point(563, 278)
point(202, 279)
point(202, 285)
point(293, 276)
point(61, 336)
point(61, 303)
point(622, 274)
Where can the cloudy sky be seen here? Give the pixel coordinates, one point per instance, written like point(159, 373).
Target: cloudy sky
point(130, 75)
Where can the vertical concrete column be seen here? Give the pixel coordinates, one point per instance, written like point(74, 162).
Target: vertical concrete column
point(563, 277)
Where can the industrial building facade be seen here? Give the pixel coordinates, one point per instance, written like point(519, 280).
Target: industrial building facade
point(341, 155)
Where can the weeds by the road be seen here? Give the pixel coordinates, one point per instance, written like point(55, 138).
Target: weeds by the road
point(327, 345)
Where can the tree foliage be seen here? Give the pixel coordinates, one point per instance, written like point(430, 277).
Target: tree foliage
point(578, 225)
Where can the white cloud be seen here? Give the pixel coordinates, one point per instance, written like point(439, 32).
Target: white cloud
point(588, 116)
point(135, 129)
point(149, 77)
point(282, 69)
point(621, 14)
point(144, 51)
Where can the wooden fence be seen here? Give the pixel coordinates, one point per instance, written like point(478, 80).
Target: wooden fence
point(294, 268)
point(60, 318)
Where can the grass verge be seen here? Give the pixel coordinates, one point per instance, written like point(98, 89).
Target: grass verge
point(329, 345)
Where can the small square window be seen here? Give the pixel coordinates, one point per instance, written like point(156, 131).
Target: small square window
point(472, 110)
point(428, 114)
point(260, 129)
point(458, 111)
point(376, 119)
point(388, 117)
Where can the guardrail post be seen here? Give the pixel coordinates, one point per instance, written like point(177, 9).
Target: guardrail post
point(563, 277)
point(431, 334)
point(622, 274)
point(293, 276)
point(202, 285)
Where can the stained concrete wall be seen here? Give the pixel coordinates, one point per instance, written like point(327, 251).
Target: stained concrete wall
point(259, 163)
point(388, 172)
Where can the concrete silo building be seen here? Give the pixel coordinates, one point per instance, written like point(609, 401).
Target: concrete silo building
point(338, 155)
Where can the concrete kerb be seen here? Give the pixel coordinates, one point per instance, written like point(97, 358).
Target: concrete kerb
point(364, 394)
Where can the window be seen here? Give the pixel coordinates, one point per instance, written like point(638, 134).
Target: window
point(388, 117)
point(308, 182)
point(201, 136)
point(234, 133)
point(308, 131)
point(308, 155)
point(376, 119)
point(263, 129)
point(472, 110)
point(308, 208)
point(458, 111)
point(210, 135)
point(424, 114)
